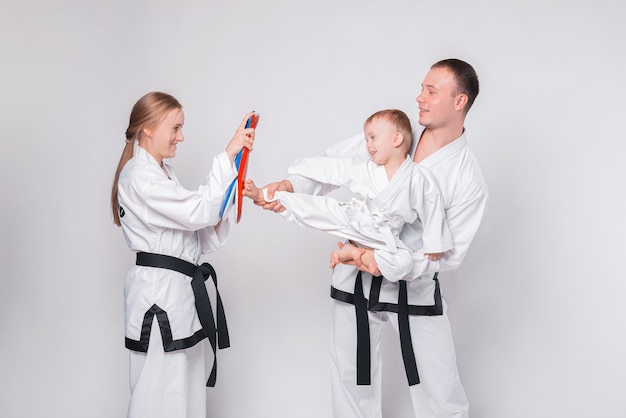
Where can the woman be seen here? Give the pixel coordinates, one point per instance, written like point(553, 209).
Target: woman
point(170, 227)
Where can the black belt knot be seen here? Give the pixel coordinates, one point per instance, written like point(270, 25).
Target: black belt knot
point(216, 333)
point(363, 355)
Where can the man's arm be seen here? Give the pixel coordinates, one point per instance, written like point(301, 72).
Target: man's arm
point(464, 220)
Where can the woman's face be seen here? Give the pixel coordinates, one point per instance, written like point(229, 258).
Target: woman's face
point(161, 141)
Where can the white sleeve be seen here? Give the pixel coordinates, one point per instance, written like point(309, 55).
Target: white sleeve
point(427, 199)
point(214, 237)
point(463, 219)
point(334, 171)
point(166, 204)
point(399, 263)
point(351, 147)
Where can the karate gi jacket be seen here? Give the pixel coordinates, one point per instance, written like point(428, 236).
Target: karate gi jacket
point(375, 217)
point(160, 216)
point(465, 197)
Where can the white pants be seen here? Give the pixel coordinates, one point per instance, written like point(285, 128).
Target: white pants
point(440, 393)
point(167, 385)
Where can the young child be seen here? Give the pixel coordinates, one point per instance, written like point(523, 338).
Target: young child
point(390, 191)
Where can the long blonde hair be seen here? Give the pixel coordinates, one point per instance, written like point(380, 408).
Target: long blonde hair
point(148, 112)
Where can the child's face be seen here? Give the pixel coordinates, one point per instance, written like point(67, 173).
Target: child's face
point(379, 138)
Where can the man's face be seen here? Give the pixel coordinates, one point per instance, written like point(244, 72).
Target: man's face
point(437, 100)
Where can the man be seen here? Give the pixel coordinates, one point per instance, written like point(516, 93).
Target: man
point(372, 294)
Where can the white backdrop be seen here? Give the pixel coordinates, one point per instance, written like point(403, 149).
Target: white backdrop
point(537, 308)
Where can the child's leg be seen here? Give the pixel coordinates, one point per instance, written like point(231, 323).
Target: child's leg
point(348, 220)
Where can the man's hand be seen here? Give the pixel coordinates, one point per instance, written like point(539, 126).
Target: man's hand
point(279, 186)
point(434, 256)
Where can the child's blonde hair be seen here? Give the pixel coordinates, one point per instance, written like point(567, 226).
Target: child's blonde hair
point(399, 120)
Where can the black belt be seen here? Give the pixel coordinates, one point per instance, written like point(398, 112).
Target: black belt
point(408, 355)
point(363, 360)
point(218, 335)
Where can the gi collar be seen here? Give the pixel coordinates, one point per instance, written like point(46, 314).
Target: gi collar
point(445, 152)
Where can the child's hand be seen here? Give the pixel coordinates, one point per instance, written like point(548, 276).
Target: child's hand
point(274, 205)
point(250, 190)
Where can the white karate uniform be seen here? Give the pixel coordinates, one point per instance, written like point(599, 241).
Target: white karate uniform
point(160, 216)
point(376, 216)
point(440, 392)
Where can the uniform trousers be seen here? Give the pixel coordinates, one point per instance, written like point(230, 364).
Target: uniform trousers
point(167, 385)
point(440, 393)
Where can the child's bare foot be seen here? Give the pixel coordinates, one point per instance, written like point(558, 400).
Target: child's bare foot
point(346, 254)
